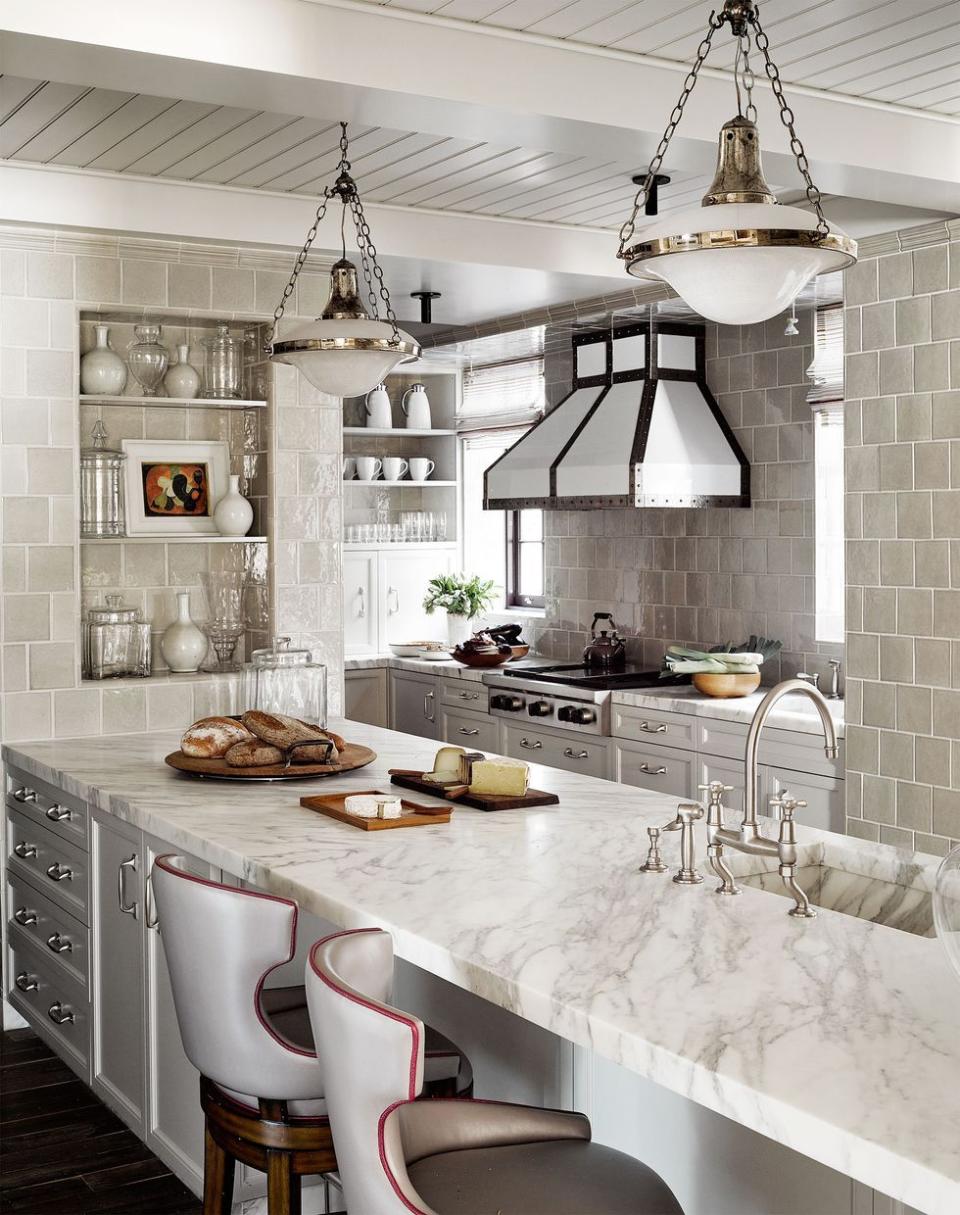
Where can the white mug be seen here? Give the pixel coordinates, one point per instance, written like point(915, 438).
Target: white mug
point(421, 468)
point(394, 468)
point(368, 468)
point(349, 468)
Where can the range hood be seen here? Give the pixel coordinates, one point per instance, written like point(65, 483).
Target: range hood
point(639, 428)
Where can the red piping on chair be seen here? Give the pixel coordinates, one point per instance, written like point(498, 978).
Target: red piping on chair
point(381, 1147)
point(163, 863)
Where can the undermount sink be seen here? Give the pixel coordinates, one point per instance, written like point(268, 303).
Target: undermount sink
point(907, 908)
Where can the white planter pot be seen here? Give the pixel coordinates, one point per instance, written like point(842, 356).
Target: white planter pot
point(459, 628)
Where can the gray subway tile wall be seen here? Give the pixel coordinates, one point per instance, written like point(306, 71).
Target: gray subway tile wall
point(903, 565)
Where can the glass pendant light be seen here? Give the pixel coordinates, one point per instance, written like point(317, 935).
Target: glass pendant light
point(740, 257)
point(346, 351)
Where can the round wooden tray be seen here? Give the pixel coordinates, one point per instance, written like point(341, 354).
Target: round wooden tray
point(352, 756)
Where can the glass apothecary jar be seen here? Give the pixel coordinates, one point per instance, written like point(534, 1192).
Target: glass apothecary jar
point(284, 680)
point(223, 365)
point(116, 641)
point(147, 359)
point(101, 487)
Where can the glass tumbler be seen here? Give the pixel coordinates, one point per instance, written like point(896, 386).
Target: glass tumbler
point(223, 365)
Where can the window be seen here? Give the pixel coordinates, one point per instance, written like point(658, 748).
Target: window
point(826, 399)
point(503, 395)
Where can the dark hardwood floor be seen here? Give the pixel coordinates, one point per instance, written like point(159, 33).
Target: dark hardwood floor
point(62, 1152)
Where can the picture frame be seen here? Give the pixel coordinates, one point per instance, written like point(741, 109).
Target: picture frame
point(171, 487)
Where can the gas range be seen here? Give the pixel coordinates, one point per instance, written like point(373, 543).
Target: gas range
point(567, 696)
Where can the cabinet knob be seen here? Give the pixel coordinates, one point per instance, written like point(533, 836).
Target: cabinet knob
point(59, 873)
point(23, 850)
point(61, 1014)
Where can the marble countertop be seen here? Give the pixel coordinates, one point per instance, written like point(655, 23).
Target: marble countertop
point(834, 1036)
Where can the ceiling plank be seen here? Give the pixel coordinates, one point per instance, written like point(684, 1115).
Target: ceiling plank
point(152, 134)
point(35, 114)
point(110, 131)
point(200, 135)
point(74, 122)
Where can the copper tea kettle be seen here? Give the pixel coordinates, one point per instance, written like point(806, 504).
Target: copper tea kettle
point(607, 651)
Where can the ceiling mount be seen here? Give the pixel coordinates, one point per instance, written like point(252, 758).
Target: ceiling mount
point(426, 299)
point(652, 205)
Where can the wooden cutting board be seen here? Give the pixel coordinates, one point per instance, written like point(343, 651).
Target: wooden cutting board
point(414, 815)
point(352, 756)
point(407, 779)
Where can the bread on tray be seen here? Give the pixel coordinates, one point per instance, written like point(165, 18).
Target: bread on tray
point(254, 753)
point(212, 737)
point(282, 731)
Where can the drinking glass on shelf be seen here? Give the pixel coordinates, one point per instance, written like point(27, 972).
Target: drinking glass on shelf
point(428, 526)
point(440, 525)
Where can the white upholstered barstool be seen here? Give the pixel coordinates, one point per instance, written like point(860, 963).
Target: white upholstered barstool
point(397, 1155)
point(262, 1089)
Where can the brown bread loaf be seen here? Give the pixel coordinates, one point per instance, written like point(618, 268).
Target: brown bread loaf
point(253, 754)
point(212, 737)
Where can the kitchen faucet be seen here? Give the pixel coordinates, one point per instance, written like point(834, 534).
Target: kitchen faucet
point(748, 837)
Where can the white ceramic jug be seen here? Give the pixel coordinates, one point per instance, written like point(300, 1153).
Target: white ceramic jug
point(379, 414)
point(418, 411)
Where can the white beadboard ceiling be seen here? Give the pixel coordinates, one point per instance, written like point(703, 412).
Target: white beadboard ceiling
point(94, 128)
point(882, 50)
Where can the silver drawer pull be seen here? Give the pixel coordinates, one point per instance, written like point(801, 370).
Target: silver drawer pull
point(60, 1015)
point(661, 771)
point(59, 814)
point(24, 794)
point(469, 733)
point(24, 917)
point(60, 873)
point(26, 982)
point(646, 727)
point(126, 908)
point(23, 850)
point(58, 944)
point(571, 754)
point(469, 695)
point(531, 746)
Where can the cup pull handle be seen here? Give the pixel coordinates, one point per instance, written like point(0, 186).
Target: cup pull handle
point(24, 794)
point(57, 944)
point(24, 917)
point(59, 814)
point(23, 850)
point(26, 982)
point(59, 873)
point(60, 1015)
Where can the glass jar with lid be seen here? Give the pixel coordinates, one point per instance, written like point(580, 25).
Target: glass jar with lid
point(285, 680)
point(101, 487)
point(116, 641)
point(223, 365)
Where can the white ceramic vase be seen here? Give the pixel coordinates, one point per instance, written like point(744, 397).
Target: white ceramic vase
point(458, 628)
point(103, 372)
point(233, 514)
point(182, 380)
point(183, 645)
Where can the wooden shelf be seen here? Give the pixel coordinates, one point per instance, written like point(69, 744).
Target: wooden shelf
point(195, 538)
point(172, 402)
point(396, 432)
point(402, 484)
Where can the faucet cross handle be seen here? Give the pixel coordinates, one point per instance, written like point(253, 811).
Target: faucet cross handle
point(787, 804)
point(715, 790)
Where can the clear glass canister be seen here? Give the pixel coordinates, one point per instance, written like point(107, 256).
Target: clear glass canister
point(223, 365)
point(289, 681)
point(116, 641)
point(101, 487)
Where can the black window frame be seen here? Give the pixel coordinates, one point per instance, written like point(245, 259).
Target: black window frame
point(513, 596)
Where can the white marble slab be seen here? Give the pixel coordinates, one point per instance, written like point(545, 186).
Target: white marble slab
point(837, 1037)
point(792, 713)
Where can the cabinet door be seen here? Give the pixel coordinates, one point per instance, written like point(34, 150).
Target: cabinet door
point(365, 695)
point(662, 769)
point(414, 704)
point(118, 1022)
point(403, 579)
point(588, 756)
point(730, 771)
point(360, 603)
point(475, 731)
point(823, 795)
point(173, 1120)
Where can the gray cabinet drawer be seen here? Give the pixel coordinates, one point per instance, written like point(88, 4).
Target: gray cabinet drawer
point(661, 769)
point(787, 748)
point(475, 731)
point(650, 725)
point(34, 917)
point(464, 694)
point(49, 863)
point(56, 1007)
point(571, 753)
point(61, 812)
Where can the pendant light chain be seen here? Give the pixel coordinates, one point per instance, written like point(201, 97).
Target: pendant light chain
point(787, 118)
point(297, 267)
point(363, 234)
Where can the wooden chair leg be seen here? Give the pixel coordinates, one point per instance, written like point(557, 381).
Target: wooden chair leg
point(283, 1185)
point(218, 1170)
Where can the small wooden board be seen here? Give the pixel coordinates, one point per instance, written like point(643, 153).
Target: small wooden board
point(482, 801)
point(352, 756)
point(414, 815)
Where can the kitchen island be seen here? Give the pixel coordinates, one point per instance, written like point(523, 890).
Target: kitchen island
point(835, 1037)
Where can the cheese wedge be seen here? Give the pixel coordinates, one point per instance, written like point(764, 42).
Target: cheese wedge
point(465, 767)
point(501, 776)
point(446, 766)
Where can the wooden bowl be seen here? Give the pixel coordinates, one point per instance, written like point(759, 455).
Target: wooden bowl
point(725, 686)
point(519, 651)
point(483, 658)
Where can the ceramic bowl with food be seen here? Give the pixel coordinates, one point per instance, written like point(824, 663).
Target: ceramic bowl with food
point(405, 649)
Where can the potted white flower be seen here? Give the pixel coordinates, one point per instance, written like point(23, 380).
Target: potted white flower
point(462, 598)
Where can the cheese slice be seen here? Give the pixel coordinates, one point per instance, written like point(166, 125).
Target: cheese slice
point(465, 767)
point(446, 766)
point(501, 776)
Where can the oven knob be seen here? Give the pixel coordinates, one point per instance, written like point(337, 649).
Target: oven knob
point(577, 714)
point(512, 704)
point(540, 708)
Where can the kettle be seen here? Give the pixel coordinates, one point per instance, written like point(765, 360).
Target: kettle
point(379, 413)
point(418, 411)
point(606, 652)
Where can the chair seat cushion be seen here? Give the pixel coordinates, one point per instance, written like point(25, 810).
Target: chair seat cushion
point(558, 1177)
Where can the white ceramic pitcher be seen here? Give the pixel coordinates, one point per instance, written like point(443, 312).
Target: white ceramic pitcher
point(379, 413)
point(418, 411)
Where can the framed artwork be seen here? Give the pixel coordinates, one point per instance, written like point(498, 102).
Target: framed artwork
point(171, 488)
